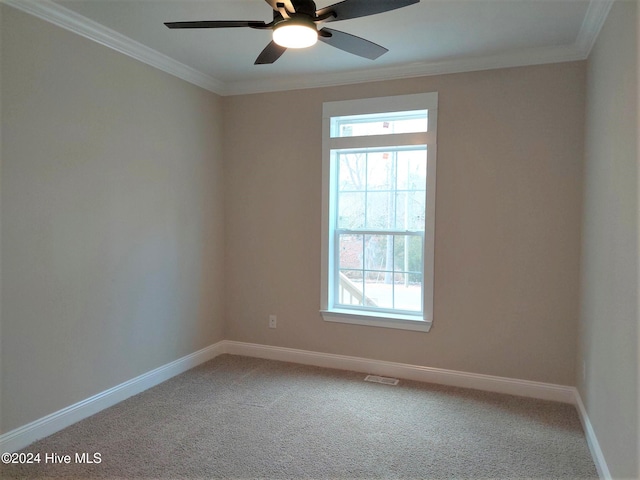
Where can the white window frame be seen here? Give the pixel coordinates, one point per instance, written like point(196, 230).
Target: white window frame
point(421, 101)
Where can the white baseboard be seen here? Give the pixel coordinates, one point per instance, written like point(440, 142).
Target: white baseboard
point(27, 434)
point(592, 441)
point(524, 388)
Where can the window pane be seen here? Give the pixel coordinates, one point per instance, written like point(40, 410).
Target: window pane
point(352, 171)
point(351, 251)
point(351, 210)
point(407, 295)
point(412, 169)
point(401, 211)
point(351, 288)
point(410, 208)
point(407, 254)
point(381, 172)
point(379, 124)
point(378, 256)
point(381, 293)
point(380, 210)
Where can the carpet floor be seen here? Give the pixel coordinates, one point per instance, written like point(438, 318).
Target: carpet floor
point(239, 417)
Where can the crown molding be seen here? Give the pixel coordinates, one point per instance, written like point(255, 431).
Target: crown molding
point(49, 11)
point(69, 20)
point(521, 58)
point(592, 24)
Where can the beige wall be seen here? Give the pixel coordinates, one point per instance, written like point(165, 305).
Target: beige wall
point(510, 149)
point(112, 225)
point(609, 315)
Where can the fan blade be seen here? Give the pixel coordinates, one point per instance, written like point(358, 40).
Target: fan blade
point(287, 4)
point(361, 8)
point(270, 54)
point(352, 44)
point(218, 24)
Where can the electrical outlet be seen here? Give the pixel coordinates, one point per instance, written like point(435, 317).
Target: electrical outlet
point(272, 321)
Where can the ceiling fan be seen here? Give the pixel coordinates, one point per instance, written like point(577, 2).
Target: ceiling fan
point(295, 25)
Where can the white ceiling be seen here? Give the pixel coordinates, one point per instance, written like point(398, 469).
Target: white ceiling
point(431, 37)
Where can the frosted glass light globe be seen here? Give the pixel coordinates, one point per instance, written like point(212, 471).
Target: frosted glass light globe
point(295, 35)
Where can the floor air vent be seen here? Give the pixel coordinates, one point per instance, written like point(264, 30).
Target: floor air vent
point(377, 379)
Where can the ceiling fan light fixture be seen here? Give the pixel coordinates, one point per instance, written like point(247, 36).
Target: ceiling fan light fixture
point(295, 34)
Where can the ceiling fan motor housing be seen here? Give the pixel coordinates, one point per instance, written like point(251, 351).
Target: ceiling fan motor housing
point(303, 7)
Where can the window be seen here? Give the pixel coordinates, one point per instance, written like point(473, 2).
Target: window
point(379, 178)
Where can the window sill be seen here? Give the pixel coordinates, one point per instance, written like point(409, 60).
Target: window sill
point(386, 320)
